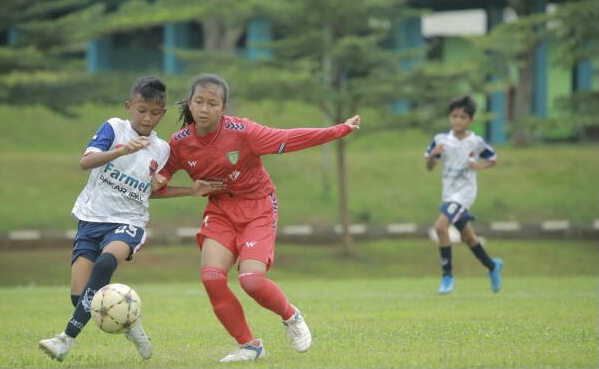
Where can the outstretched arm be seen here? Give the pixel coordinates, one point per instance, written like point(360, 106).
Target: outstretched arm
point(304, 138)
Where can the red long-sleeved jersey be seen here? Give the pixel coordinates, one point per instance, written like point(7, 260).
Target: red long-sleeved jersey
point(232, 153)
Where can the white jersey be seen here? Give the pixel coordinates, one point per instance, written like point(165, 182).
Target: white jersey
point(459, 181)
point(119, 191)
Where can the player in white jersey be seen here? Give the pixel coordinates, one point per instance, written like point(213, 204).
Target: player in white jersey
point(112, 209)
point(460, 152)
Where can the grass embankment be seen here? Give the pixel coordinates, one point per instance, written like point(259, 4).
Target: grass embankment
point(387, 182)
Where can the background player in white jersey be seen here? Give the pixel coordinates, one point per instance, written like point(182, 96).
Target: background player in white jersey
point(460, 152)
point(112, 209)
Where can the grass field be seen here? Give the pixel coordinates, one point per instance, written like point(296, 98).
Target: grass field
point(377, 309)
point(540, 322)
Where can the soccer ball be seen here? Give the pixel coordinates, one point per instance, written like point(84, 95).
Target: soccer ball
point(115, 308)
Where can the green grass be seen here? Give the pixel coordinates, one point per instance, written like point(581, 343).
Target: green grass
point(377, 309)
point(387, 182)
point(540, 322)
point(415, 258)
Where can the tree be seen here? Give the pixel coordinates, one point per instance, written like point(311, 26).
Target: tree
point(44, 61)
point(331, 55)
point(223, 21)
point(511, 47)
point(575, 34)
point(336, 55)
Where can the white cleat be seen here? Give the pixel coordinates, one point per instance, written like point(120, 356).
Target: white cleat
point(298, 332)
point(141, 340)
point(58, 347)
point(251, 351)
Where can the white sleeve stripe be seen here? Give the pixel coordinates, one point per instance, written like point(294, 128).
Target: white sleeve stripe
point(281, 148)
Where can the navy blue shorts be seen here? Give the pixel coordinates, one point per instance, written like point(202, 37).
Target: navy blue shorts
point(457, 214)
point(92, 237)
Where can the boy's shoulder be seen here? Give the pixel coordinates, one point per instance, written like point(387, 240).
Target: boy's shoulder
point(442, 136)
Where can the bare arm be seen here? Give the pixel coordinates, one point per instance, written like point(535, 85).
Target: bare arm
point(431, 162)
point(97, 159)
point(198, 188)
point(480, 165)
point(431, 159)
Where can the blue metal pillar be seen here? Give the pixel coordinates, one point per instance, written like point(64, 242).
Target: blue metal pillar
point(497, 101)
point(539, 88)
point(259, 33)
point(99, 55)
point(176, 36)
point(408, 35)
point(582, 76)
point(12, 36)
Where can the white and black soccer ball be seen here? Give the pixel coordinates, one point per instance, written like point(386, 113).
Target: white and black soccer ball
point(115, 308)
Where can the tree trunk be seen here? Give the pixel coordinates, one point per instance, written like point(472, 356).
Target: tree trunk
point(524, 87)
point(346, 237)
point(220, 36)
point(522, 101)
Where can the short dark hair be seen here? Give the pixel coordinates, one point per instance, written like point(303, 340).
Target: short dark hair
point(149, 88)
point(465, 102)
point(202, 79)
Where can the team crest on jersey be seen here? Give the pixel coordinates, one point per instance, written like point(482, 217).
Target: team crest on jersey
point(233, 157)
point(152, 167)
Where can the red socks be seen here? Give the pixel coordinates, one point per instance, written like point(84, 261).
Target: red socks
point(266, 293)
point(227, 308)
point(225, 305)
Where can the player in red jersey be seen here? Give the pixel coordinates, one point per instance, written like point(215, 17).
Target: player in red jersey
point(240, 220)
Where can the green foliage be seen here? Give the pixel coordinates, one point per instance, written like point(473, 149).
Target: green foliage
point(508, 52)
point(322, 55)
point(573, 30)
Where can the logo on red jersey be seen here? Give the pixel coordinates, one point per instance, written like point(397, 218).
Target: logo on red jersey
point(182, 134)
point(233, 157)
point(153, 166)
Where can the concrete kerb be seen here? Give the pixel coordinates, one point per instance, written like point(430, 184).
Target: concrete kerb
point(315, 234)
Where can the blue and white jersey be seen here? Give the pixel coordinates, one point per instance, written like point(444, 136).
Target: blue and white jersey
point(459, 181)
point(118, 192)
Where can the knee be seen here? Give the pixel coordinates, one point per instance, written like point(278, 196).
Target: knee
point(469, 240)
point(251, 281)
point(211, 275)
point(106, 264)
point(441, 229)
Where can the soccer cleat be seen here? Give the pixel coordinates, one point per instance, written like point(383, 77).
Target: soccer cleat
point(495, 275)
point(446, 284)
point(251, 351)
point(141, 340)
point(298, 332)
point(58, 347)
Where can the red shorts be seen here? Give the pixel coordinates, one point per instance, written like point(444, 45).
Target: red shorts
point(247, 228)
